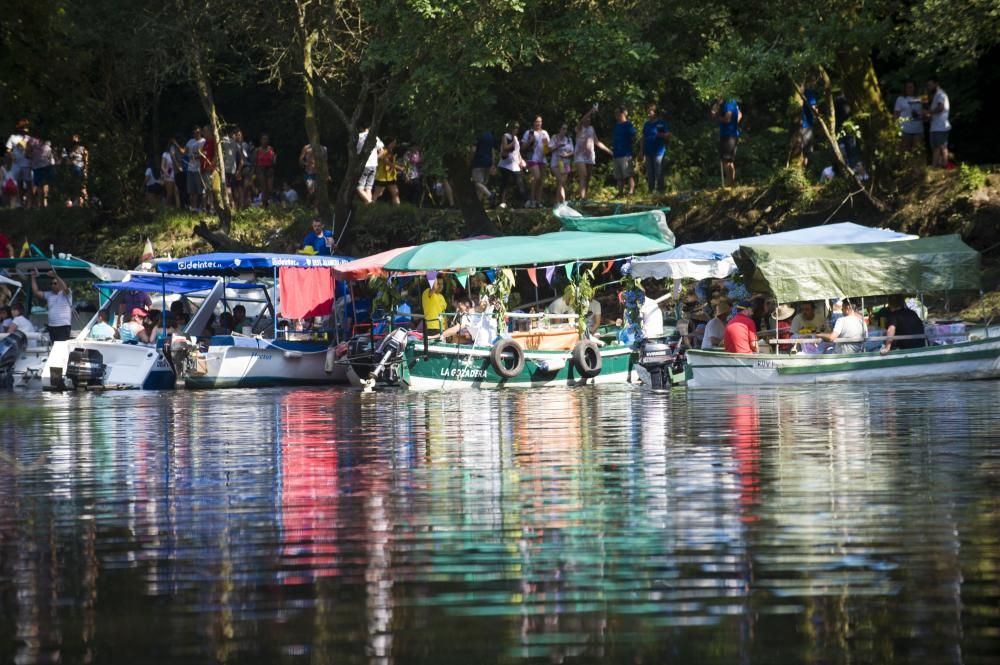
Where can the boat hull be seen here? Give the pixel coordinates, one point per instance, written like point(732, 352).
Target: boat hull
point(250, 362)
point(976, 359)
point(128, 366)
point(461, 367)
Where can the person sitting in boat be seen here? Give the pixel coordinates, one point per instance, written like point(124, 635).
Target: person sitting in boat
point(850, 327)
point(102, 330)
point(5, 317)
point(239, 318)
point(780, 325)
point(129, 331)
point(225, 324)
point(699, 319)
point(901, 320)
point(459, 331)
point(715, 330)
point(178, 317)
point(152, 327)
point(741, 331)
point(18, 320)
point(808, 320)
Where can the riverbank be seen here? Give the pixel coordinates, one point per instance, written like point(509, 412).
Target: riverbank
point(964, 201)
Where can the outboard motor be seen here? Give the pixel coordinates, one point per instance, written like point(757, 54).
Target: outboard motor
point(659, 358)
point(11, 348)
point(85, 367)
point(388, 355)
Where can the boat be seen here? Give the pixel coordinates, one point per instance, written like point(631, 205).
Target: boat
point(265, 353)
point(83, 362)
point(541, 355)
point(814, 272)
point(662, 362)
point(27, 370)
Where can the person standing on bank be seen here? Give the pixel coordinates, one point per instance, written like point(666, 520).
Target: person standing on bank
point(59, 302)
point(730, 117)
point(653, 148)
point(940, 126)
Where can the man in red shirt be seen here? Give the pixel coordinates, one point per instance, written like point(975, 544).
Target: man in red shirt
point(741, 331)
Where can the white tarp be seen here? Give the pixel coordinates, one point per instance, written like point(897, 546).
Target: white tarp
point(714, 259)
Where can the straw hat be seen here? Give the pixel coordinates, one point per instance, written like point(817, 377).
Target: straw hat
point(783, 312)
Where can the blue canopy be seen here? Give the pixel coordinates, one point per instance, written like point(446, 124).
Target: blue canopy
point(161, 283)
point(703, 260)
point(221, 263)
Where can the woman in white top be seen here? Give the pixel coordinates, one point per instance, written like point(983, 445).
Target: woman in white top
point(510, 163)
point(168, 173)
point(536, 144)
point(586, 154)
point(909, 111)
point(561, 161)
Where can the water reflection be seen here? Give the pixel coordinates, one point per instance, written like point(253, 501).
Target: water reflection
point(612, 524)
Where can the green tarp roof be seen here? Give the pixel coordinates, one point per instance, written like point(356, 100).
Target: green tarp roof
point(593, 238)
point(809, 272)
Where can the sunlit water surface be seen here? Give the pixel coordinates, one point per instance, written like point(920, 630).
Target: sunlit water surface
point(816, 525)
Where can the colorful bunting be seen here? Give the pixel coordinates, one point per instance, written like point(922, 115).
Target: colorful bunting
point(532, 276)
point(509, 274)
point(607, 267)
point(491, 275)
point(549, 274)
point(569, 270)
point(462, 277)
point(432, 277)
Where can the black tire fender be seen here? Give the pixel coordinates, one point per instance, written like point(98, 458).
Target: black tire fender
point(587, 358)
point(501, 365)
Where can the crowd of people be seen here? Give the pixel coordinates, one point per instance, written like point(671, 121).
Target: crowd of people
point(522, 168)
point(32, 165)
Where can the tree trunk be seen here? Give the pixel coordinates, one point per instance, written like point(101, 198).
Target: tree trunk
point(477, 222)
point(220, 241)
point(208, 104)
point(861, 87)
point(312, 129)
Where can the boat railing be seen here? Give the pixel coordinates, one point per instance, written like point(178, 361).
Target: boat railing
point(792, 342)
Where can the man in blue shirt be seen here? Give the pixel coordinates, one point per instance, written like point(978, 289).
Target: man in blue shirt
point(320, 239)
point(729, 116)
point(621, 150)
point(654, 148)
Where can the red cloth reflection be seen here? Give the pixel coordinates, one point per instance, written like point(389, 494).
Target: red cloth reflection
point(308, 489)
point(744, 422)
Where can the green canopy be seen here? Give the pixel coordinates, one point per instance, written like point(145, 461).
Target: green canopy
point(652, 223)
point(810, 272)
point(592, 238)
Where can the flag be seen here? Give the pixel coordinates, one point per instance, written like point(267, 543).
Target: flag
point(594, 264)
point(431, 277)
point(550, 272)
point(607, 267)
point(532, 275)
point(569, 270)
point(25, 248)
point(462, 277)
point(509, 274)
point(147, 250)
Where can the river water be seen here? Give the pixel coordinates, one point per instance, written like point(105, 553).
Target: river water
point(813, 525)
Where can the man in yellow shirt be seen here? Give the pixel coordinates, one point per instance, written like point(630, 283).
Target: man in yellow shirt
point(434, 305)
